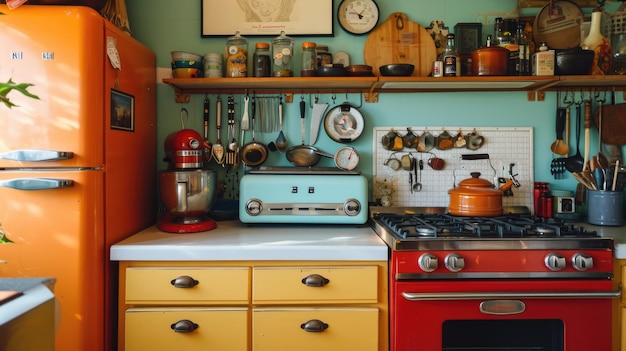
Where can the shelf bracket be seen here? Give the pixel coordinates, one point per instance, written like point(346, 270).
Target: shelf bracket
point(371, 96)
point(182, 98)
point(536, 95)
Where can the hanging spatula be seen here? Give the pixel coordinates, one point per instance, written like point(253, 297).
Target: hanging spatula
point(208, 153)
point(316, 119)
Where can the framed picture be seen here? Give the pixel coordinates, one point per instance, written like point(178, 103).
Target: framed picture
point(122, 111)
point(267, 17)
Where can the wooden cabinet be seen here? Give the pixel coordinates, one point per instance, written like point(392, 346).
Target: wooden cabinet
point(255, 306)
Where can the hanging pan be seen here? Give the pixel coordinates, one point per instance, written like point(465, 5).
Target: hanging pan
point(253, 153)
point(344, 123)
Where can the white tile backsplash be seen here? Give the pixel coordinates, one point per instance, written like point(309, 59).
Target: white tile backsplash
point(504, 145)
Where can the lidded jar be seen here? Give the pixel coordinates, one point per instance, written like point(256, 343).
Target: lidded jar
point(309, 60)
point(262, 60)
point(282, 55)
point(323, 56)
point(236, 56)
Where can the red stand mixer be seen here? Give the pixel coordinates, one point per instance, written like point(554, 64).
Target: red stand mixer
point(187, 190)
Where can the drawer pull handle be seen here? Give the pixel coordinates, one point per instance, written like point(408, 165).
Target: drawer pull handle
point(315, 280)
point(184, 326)
point(314, 325)
point(184, 281)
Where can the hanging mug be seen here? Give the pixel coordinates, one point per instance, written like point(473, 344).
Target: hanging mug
point(436, 163)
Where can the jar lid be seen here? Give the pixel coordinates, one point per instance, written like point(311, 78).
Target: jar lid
point(308, 44)
point(262, 45)
point(322, 47)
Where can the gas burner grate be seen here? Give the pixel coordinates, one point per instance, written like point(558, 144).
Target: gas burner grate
point(416, 226)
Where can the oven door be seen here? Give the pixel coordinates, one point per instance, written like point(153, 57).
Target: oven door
point(572, 315)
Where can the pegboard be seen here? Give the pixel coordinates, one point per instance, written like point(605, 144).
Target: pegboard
point(504, 145)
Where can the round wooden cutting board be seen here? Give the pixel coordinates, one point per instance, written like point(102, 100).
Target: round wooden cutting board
point(399, 40)
point(558, 24)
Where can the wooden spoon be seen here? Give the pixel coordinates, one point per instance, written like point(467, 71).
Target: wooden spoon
point(603, 161)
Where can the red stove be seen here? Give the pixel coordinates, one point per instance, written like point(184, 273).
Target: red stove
point(512, 282)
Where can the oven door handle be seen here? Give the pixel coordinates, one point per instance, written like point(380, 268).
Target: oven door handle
point(447, 296)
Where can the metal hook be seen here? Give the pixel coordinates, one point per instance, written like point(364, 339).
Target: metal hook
point(568, 101)
point(597, 96)
point(334, 98)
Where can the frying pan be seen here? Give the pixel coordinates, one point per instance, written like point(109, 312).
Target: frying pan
point(253, 153)
point(305, 155)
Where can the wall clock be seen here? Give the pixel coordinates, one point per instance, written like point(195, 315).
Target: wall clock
point(358, 16)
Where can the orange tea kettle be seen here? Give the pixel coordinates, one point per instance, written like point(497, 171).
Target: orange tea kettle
point(477, 197)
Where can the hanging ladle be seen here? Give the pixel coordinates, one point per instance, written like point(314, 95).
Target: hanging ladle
point(281, 141)
point(417, 186)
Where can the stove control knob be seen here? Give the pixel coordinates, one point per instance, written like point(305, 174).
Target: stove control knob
point(555, 261)
point(254, 207)
point(582, 262)
point(454, 262)
point(352, 207)
point(428, 262)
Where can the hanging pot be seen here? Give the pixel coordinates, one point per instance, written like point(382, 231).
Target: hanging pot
point(477, 197)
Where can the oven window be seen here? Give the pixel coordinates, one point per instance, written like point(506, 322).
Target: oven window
point(489, 335)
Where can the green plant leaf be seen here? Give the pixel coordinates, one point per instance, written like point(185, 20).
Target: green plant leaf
point(3, 237)
point(7, 87)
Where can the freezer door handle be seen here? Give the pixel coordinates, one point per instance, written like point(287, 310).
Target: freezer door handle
point(36, 155)
point(36, 183)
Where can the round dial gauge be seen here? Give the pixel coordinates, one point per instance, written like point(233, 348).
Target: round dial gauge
point(346, 158)
point(358, 16)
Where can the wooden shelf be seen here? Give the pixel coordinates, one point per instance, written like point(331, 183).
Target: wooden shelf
point(372, 86)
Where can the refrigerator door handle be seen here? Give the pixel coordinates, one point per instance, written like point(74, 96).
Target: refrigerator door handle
point(36, 155)
point(36, 183)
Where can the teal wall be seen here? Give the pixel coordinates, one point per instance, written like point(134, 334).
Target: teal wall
point(165, 25)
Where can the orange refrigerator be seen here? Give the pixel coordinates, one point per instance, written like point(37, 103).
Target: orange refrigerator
point(77, 165)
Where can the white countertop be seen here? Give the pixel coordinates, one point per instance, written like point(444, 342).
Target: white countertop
point(617, 233)
point(233, 240)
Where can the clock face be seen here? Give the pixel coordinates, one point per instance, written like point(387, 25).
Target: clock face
point(358, 16)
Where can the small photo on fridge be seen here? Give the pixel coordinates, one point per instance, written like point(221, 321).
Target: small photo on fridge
point(122, 111)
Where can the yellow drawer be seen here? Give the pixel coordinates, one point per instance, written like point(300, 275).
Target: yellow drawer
point(217, 329)
point(155, 285)
point(345, 329)
point(286, 285)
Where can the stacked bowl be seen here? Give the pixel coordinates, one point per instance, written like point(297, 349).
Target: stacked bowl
point(186, 65)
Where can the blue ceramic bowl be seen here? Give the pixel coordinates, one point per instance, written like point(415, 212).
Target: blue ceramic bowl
point(187, 64)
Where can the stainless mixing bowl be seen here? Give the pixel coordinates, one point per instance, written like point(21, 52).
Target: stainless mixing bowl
point(188, 195)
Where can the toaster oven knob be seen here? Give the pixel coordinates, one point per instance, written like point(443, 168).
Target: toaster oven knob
point(352, 207)
point(582, 261)
point(555, 261)
point(454, 262)
point(427, 262)
point(254, 207)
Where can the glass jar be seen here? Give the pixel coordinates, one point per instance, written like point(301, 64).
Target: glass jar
point(282, 52)
point(323, 56)
point(213, 65)
point(309, 60)
point(262, 60)
point(236, 56)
